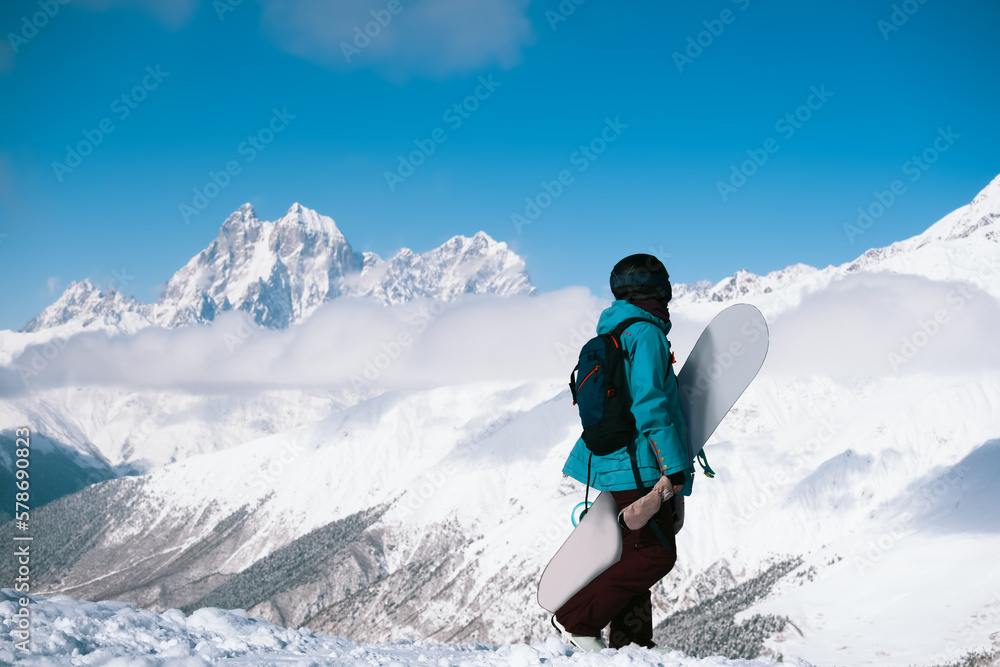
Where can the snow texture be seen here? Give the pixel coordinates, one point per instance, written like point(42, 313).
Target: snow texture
point(68, 632)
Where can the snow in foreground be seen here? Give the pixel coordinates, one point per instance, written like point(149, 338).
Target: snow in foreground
point(68, 631)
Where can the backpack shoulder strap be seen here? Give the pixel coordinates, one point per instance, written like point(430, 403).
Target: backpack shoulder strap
point(618, 330)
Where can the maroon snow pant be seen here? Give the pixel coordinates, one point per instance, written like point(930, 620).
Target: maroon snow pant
point(620, 594)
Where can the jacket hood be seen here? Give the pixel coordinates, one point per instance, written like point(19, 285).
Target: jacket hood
point(621, 310)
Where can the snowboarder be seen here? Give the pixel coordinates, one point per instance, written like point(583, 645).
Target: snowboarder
point(620, 596)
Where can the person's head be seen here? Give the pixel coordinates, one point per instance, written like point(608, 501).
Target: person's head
point(639, 277)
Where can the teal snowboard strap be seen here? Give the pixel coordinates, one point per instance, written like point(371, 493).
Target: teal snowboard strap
point(703, 462)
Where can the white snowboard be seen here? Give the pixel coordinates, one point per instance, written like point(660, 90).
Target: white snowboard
point(721, 366)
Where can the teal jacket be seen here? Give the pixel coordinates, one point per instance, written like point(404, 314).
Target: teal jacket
point(661, 441)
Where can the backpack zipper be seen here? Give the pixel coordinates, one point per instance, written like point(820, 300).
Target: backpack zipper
point(587, 377)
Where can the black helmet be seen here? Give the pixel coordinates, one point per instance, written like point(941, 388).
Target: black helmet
point(640, 277)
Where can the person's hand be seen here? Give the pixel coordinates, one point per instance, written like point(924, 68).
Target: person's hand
point(665, 489)
point(641, 511)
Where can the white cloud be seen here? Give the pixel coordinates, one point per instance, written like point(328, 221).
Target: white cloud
point(436, 37)
point(52, 284)
point(869, 325)
point(850, 329)
point(420, 344)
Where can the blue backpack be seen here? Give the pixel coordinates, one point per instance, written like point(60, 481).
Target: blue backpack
point(600, 391)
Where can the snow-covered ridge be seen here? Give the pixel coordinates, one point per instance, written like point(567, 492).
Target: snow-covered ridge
point(282, 271)
point(961, 246)
point(87, 305)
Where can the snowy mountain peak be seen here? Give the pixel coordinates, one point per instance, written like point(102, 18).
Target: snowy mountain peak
point(479, 244)
point(482, 239)
point(240, 229)
point(79, 288)
point(991, 191)
point(244, 216)
point(980, 219)
point(280, 272)
point(91, 307)
point(460, 265)
point(306, 218)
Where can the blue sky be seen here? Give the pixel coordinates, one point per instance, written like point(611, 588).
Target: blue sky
point(213, 78)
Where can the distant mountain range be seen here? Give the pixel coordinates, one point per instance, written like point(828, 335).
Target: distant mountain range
point(280, 272)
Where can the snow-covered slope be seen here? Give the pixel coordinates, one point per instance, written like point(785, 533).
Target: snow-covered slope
point(282, 271)
point(136, 430)
point(463, 483)
point(86, 633)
